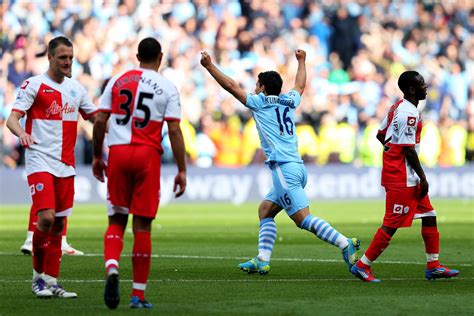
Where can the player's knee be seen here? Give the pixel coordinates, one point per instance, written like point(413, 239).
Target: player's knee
point(46, 222)
point(429, 221)
point(299, 217)
point(263, 212)
point(268, 209)
point(58, 225)
point(263, 215)
point(299, 222)
point(141, 224)
point(389, 230)
point(118, 219)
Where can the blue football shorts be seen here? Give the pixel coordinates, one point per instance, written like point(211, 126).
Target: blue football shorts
point(289, 180)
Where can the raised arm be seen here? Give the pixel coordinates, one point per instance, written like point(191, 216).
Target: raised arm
point(300, 79)
point(223, 80)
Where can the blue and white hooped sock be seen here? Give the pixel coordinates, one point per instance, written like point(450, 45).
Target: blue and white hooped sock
point(266, 238)
point(324, 231)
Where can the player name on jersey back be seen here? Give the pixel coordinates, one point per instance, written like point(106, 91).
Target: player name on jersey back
point(139, 101)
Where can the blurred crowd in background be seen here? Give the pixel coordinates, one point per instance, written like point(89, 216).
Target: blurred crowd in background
point(355, 52)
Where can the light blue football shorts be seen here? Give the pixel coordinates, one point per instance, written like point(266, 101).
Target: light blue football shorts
point(289, 180)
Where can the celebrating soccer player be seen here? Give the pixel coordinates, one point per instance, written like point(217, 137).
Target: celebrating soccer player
point(137, 102)
point(274, 116)
point(405, 182)
point(52, 103)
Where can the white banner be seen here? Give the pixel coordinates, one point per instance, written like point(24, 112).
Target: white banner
point(247, 184)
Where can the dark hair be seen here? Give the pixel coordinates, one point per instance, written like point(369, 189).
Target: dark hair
point(149, 49)
point(408, 79)
point(55, 42)
point(272, 82)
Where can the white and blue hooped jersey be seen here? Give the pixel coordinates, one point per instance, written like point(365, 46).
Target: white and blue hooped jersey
point(275, 120)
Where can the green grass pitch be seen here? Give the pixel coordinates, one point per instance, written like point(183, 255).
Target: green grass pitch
point(197, 248)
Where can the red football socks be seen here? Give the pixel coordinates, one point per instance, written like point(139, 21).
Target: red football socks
point(65, 226)
point(378, 245)
point(113, 245)
point(40, 250)
point(33, 222)
point(141, 263)
point(431, 238)
point(53, 259)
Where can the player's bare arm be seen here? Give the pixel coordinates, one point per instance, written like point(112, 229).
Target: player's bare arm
point(223, 80)
point(412, 157)
point(177, 146)
point(100, 126)
point(91, 118)
point(13, 124)
point(300, 79)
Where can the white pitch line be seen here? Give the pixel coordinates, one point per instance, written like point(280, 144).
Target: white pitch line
point(245, 258)
point(253, 280)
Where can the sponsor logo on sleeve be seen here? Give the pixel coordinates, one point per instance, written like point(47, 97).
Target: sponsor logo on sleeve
point(395, 123)
point(20, 95)
point(397, 208)
point(39, 187)
point(24, 84)
point(411, 121)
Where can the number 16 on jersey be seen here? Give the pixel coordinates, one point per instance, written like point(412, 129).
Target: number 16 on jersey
point(284, 122)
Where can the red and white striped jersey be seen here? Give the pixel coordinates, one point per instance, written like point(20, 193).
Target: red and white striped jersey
point(402, 127)
point(52, 110)
point(139, 101)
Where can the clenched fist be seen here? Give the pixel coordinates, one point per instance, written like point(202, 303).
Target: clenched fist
point(206, 60)
point(300, 55)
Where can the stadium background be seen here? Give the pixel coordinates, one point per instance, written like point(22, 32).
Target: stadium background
point(355, 52)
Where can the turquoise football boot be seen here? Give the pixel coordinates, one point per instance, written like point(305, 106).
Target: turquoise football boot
point(255, 265)
point(350, 254)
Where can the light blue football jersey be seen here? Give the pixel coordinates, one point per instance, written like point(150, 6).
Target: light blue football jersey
point(275, 120)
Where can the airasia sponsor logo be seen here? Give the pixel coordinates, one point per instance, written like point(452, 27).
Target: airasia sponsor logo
point(56, 109)
point(68, 109)
point(24, 84)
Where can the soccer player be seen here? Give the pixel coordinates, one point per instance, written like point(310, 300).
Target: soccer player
point(405, 182)
point(52, 103)
point(274, 116)
point(27, 247)
point(137, 102)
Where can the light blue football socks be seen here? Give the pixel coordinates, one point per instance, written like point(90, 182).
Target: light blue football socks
point(324, 231)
